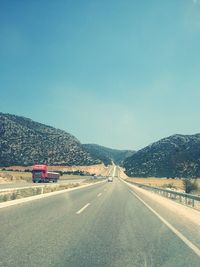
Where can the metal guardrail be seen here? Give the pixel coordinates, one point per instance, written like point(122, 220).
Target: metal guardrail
point(183, 198)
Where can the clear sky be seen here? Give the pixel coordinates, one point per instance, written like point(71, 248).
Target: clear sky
point(117, 73)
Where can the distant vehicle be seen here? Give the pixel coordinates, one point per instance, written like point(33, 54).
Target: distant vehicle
point(41, 175)
point(110, 179)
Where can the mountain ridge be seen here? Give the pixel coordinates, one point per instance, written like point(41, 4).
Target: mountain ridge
point(26, 142)
point(108, 155)
point(174, 156)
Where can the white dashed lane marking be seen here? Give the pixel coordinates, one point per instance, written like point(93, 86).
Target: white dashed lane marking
point(83, 208)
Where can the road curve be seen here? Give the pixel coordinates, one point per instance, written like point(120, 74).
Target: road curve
point(104, 225)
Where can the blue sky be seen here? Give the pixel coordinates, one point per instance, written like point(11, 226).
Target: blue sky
point(118, 73)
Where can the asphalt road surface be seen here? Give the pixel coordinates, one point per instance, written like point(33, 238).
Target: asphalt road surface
point(102, 225)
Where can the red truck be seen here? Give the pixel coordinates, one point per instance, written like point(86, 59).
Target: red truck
point(41, 175)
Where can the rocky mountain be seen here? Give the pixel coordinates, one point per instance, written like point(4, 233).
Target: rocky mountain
point(26, 142)
point(107, 155)
point(174, 156)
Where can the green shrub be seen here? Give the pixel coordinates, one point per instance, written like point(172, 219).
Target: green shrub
point(190, 185)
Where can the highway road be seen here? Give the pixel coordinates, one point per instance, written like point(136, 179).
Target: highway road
point(102, 225)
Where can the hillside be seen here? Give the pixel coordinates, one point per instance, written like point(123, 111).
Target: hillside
point(107, 155)
point(25, 142)
point(174, 156)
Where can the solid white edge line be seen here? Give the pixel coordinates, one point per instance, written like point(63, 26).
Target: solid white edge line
point(83, 208)
point(194, 248)
point(27, 199)
point(172, 228)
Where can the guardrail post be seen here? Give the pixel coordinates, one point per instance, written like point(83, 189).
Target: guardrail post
point(193, 203)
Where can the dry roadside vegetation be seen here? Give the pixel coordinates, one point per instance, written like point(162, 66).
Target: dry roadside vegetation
point(14, 176)
point(32, 191)
point(99, 169)
point(191, 186)
point(22, 174)
point(176, 184)
point(122, 174)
